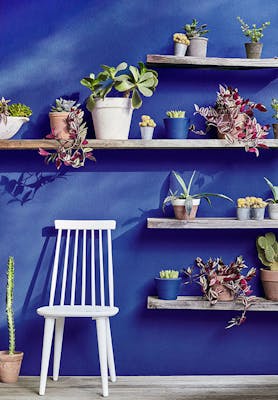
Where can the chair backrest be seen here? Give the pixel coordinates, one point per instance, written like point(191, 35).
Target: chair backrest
point(80, 262)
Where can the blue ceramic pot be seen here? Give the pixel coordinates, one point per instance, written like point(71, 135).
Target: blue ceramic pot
point(167, 289)
point(176, 128)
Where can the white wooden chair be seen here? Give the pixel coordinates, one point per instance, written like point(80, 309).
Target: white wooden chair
point(79, 238)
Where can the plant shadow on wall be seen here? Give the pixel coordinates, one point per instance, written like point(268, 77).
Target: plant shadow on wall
point(24, 188)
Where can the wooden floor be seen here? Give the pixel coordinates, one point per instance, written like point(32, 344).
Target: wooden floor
point(148, 388)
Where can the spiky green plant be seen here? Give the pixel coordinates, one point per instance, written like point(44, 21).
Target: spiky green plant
point(274, 105)
point(274, 190)
point(175, 114)
point(19, 110)
point(169, 274)
point(194, 30)
point(63, 105)
point(254, 33)
point(267, 247)
point(9, 304)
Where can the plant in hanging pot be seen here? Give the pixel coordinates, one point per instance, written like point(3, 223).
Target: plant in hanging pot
point(168, 284)
point(176, 124)
point(181, 42)
point(267, 247)
point(272, 202)
point(274, 105)
point(186, 205)
point(112, 115)
point(198, 43)
point(58, 117)
point(224, 282)
point(10, 361)
point(12, 117)
point(254, 34)
point(147, 126)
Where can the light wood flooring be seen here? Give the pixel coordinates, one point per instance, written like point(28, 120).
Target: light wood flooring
point(148, 388)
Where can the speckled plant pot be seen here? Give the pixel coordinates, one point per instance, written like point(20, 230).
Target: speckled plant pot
point(243, 213)
point(180, 49)
point(273, 211)
point(275, 130)
point(253, 50)
point(258, 213)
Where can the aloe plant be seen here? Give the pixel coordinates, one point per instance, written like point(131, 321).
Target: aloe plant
point(274, 190)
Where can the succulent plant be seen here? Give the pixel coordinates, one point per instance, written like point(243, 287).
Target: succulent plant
point(193, 30)
point(175, 114)
point(4, 109)
point(274, 105)
point(19, 110)
point(267, 247)
point(63, 105)
point(146, 120)
point(169, 274)
point(253, 33)
point(9, 304)
point(274, 190)
point(181, 38)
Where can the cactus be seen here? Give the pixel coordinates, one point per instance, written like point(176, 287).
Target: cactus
point(19, 110)
point(63, 105)
point(267, 247)
point(169, 274)
point(9, 304)
point(175, 114)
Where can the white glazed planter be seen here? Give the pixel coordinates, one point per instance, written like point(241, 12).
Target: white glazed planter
point(146, 132)
point(112, 118)
point(273, 211)
point(13, 125)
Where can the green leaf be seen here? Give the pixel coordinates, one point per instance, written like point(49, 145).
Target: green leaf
point(273, 188)
point(124, 86)
point(136, 99)
point(122, 66)
point(144, 90)
point(123, 77)
point(146, 76)
point(149, 83)
point(90, 103)
point(222, 196)
point(188, 205)
point(181, 182)
point(92, 75)
point(135, 73)
point(87, 82)
point(190, 182)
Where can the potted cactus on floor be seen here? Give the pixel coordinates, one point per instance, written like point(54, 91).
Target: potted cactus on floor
point(267, 247)
point(274, 105)
point(10, 361)
point(12, 117)
point(254, 34)
point(198, 43)
point(167, 285)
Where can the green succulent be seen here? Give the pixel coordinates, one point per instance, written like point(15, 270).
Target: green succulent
point(194, 30)
point(63, 105)
point(253, 33)
point(19, 110)
point(175, 114)
point(274, 190)
point(169, 274)
point(267, 247)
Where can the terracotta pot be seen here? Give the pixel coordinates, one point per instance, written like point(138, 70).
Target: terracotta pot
point(180, 211)
point(58, 124)
point(253, 50)
point(10, 366)
point(240, 120)
point(270, 284)
point(275, 130)
point(224, 294)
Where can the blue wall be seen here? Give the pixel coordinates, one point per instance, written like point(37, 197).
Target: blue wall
point(46, 48)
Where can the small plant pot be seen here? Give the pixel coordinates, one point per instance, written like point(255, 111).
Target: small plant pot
point(270, 284)
point(180, 211)
point(243, 213)
point(273, 211)
point(58, 124)
point(253, 50)
point(167, 289)
point(146, 132)
point(176, 128)
point(10, 366)
point(258, 213)
point(275, 130)
point(180, 49)
point(224, 294)
point(198, 47)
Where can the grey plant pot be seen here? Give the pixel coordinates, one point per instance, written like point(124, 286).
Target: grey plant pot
point(253, 50)
point(257, 213)
point(180, 49)
point(146, 132)
point(198, 47)
point(273, 211)
point(243, 213)
point(275, 130)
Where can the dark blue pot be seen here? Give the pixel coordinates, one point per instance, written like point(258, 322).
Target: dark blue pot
point(167, 289)
point(176, 128)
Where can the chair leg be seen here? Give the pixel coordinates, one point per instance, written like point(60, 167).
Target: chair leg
point(102, 351)
point(58, 341)
point(110, 354)
point(46, 349)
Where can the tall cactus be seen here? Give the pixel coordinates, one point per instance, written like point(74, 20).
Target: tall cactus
point(9, 304)
point(267, 247)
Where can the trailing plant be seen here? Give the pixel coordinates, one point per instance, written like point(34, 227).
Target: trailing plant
point(9, 304)
point(73, 151)
point(274, 105)
point(63, 105)
point(175, 114)
point(274, 190)
point(233, 116)
point(194, 29)
point(187, 196)
point(181, 38)
point(253, 33)
point(214, 276)
point(169, 274)
point(267, 247)
point(125, 79)
point(146, 120)
point(19, 110)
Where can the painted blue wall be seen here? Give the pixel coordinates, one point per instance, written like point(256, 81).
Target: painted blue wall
point(46, 48)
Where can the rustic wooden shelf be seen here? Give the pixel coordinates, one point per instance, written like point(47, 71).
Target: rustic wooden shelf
point(199, 303)
point(158, 60)
point(210, 223)
point(30, 144)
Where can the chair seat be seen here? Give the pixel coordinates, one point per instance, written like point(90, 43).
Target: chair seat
point(78, 311)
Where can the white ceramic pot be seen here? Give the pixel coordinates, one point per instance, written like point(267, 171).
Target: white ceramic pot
point(273, 211)
point(13, 125)
point(146, 132)
point(112, 118)
point(198, 47)
point(180, 49)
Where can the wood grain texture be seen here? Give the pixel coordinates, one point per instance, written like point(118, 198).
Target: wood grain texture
point(210, 223)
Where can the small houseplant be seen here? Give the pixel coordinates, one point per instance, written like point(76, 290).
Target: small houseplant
point(267, 247)
point(181, 42)
point(147, 126)
point(185, 204)
point(233, 116)
point(224, 282)
point(58, 117)
point(10, 361)
point(254, 34)
point(274, 105)
point(251, 207)
point(272, 202)
point(12, 117)
point(112, 115)
point(176, 124)
point(198, 43)
point(167, 285)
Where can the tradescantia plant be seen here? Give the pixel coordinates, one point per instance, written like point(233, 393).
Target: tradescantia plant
point(125, 79)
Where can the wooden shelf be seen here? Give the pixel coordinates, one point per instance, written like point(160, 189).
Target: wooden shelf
point(210, 223)
point(199, 303)
point(158, 60)
point(176, 144)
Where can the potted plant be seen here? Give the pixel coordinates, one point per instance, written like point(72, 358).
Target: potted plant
point(198, 43)
point(181, 42)
point(147, 126)
point(176, 124)
point(58, 117)
point(112, 116)
point(233, 116)
point(254, 34)
point(167, 285)
point(274, 105)
point(267, 248)
point(251, 208)
point(243, 208)
point(186, 205)
point(10, 361)
point(221, 282)
point(258, 208)
point(12, 117)
point(272, 202)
